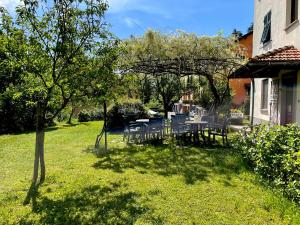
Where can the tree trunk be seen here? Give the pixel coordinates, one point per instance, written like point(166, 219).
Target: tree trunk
point(167, 108)
point(71, 115)
point(105, 126)
point(215, 93)
point(36, 160)
point(39, 145)
point(166, 113)
point(42, 155)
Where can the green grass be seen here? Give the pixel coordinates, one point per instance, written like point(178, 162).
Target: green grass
point(166, 184)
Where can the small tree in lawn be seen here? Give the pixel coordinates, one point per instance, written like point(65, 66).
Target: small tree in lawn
point(104, 84)
point(59, 35)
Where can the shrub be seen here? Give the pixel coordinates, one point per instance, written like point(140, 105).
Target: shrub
point(122, 113)
point(16, 115)
point(84, 116)
point(155, 105)
point(274, 153)
point(236, 121)
point(90, 115)
point(96, 115)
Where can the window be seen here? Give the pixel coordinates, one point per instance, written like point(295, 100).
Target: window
point(264, 94)
point(266, 36)
point(294, 10)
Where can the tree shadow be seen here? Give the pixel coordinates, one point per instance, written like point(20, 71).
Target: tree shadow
point(194, 164)
point(70, 125)
point(111, 204)
point(31, 194)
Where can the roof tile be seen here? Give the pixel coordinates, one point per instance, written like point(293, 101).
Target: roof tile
point(287, 53)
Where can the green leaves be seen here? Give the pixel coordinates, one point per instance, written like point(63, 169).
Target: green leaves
point(183, 55)
point(274, 154)
point(48, 53)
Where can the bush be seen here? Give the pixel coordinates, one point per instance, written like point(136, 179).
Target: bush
point(155, 105)
point(236, 121)
point(17, 116)
point(122, 113)
point(89, 115)
point(84, 116)
point(274, 153)
point(96, 115)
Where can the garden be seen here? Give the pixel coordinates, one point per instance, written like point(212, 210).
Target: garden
point(165, 184)
point(68, 82)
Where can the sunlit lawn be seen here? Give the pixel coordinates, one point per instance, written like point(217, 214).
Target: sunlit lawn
point(166, 184)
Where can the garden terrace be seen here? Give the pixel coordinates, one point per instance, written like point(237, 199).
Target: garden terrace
point(164, 184)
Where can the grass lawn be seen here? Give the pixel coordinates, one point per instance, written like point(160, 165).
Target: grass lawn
point(165, 184)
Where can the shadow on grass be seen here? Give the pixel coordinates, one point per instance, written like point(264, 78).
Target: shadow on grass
point(194, 164)
point(32, 194)
point(111, 204)
point(70, 125)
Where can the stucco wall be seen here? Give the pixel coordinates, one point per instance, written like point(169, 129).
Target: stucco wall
point(298, 100)
point(282, 34)
point(258, 114)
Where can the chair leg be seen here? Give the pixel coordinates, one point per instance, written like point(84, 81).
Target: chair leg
point(128, 138)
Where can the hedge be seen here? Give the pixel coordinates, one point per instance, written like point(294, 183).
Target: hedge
point(274, 153)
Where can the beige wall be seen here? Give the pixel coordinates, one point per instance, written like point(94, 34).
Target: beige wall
point(258, 114)
point(282, 34)
point(298, 100)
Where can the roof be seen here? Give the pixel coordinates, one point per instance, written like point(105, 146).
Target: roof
point(268, 64)
point(246, 35)
point(287, 53)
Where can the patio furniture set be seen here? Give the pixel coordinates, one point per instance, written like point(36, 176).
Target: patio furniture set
point(179, 126)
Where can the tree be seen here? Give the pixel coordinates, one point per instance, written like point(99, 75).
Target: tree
point(104, 83)
point(236, 33)
point(211, 59)
point(153, 45)
point(250, 28)
point(169, 88)
point(15, 114)
point(58, 37)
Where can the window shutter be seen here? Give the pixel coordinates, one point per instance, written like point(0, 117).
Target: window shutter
point(266, 36)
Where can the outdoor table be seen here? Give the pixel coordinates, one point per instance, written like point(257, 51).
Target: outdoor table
point(143, 132)
point(142, 121)
point(196, 127)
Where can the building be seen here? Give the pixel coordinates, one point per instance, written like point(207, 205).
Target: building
point(275, 67)
point(241, 87)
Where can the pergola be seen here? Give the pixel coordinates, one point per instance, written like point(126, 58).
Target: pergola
point(207, 67)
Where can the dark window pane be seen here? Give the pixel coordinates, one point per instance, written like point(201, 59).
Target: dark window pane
point(266, 35)
point(264, 94)
point(294, 10)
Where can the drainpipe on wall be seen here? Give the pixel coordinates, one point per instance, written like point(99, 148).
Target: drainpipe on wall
point(252, 103)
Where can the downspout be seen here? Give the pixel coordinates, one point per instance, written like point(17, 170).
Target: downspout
point(252, 103)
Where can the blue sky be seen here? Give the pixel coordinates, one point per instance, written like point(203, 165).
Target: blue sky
point(203, 17)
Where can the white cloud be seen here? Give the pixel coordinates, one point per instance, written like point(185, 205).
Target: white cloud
point(9, 4)
point(131, 23)
point(117, 6)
